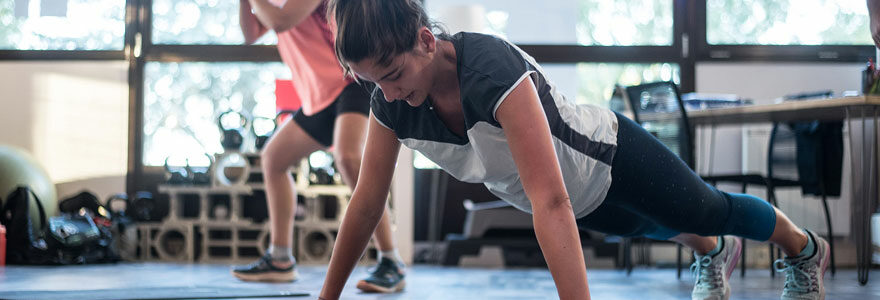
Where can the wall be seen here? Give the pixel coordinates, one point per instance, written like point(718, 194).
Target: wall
point(73, 117)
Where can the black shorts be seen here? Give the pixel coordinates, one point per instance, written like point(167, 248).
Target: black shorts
point(353, 98)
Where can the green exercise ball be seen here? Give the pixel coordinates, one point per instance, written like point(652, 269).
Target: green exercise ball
point(17, 167)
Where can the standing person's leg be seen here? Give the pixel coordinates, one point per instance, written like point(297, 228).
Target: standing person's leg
point(350, 133)
point(293, 141)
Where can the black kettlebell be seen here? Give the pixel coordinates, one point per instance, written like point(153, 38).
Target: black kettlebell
point(119, 217)
point(263, 129)
point(175, 175)
point(200, 176)
point(264, 132)
point(233, 137)
point(142, 207)
point(116, 198)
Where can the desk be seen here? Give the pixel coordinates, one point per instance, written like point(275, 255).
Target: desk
point(864, 176)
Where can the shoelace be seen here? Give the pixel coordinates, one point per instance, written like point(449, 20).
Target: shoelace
point(708, 275)
point(796, 278)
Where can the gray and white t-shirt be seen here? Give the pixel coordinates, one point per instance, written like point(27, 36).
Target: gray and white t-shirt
point(585, 137)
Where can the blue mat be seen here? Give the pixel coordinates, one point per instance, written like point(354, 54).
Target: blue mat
point(151, 293)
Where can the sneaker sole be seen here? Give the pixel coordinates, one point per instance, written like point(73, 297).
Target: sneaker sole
point(372, 288)
point(268, 277)
point(825, 259)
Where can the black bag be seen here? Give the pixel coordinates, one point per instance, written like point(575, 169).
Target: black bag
point(24, 244)
point(82, 200)
point(83, 232)
point(72, 238)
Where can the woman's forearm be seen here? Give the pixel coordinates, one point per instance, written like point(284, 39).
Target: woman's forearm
point(358, 225)
point(558, 236)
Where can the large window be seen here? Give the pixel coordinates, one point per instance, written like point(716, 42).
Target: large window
point(62, 24)
point(584, 22)
point(199, 22)
point(787, 22)
point(182, 102)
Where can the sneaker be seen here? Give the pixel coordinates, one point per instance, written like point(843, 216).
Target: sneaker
point(804, 277)
point(264, 270)
point(713, 272)
point(386, 278)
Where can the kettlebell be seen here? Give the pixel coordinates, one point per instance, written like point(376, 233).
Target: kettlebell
point(233, 137)
point(121, 197)
point(263, 129)
point(200, 176)
point(142, 207)
point(176, 175)
point(123, 229)
point(266, 133)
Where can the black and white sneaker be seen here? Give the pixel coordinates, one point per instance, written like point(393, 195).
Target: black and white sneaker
point(264, 269)
point(386, 278)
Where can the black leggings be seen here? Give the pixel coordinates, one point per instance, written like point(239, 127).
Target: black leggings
point(655, 194)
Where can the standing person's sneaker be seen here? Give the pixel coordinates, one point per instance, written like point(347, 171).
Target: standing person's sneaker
point(804, 276)
point(264, 269)
point(713, 271)
point(386, 278)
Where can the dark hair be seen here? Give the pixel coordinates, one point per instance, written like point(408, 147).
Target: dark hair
point(378, 29)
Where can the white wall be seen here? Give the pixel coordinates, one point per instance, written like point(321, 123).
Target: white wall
point(73, 117)
point(764, 82)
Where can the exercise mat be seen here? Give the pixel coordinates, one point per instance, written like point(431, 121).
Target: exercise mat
point(151, 293)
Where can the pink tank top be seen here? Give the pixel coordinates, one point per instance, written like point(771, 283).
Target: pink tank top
point(308, 50)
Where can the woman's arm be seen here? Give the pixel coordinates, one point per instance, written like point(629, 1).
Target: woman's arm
point(282, 18)
point(365, 207)
point(250, 26)
point(538, 167)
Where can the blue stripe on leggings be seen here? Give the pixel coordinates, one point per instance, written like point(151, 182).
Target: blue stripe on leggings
point(662, 233)
point(750, 217)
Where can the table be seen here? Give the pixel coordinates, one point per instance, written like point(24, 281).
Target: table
point(864, 176)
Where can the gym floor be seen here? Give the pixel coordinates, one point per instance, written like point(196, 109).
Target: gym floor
point(423, 282)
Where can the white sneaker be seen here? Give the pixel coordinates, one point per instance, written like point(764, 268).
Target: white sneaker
point(804, 277)
point(713, 272)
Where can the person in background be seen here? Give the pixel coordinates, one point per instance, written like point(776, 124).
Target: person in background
point(485, 111)
point(334, 113)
